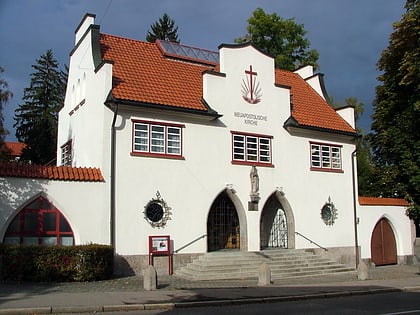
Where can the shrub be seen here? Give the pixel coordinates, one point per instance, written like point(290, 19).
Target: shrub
point(56, 263)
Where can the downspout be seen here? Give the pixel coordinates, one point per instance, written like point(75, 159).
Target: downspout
point(112, 184)
point(355, 201)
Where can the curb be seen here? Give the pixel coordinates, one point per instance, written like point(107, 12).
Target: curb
point(204, 303)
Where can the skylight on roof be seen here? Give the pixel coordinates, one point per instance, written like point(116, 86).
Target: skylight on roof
point(188, 52)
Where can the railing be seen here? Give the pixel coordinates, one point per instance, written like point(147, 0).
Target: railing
point(311, 241)
point(190, 243)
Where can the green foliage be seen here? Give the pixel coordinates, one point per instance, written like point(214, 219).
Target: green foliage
point(56, 263)
point(165, 29)
point(396, 119)
point(37, 119)
point(5, 95)
point(282, 38)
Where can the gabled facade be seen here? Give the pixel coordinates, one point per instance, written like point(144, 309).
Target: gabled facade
point(218, 150)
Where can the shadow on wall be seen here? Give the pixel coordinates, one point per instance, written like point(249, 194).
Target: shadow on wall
point(14, 193)
point(122, 267)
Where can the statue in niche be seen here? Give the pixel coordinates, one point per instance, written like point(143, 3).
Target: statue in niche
point(255, 184)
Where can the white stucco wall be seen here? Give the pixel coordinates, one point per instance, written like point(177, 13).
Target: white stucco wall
point(83, 204)
point(190, 186)
point(399, 221)
point(84, 119)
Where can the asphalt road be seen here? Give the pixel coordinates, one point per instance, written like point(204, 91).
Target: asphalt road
point(398, 303)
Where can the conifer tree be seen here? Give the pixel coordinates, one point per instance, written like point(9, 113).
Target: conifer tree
point(165, 29)
point(36, 119)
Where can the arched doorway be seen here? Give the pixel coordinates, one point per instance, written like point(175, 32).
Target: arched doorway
point(223, 228)
point(383, 247)
point(39, 223)
point(277, 223)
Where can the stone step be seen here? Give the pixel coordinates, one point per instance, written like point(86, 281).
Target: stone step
point(254, 275)
point(245, 265)
point(254, 268)
point(274, 265)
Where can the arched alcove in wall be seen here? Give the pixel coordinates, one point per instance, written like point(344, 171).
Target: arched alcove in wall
point(39, 222)
point(226, 223)
point(277, 223)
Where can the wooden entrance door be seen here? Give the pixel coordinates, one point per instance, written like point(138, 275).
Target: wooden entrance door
point(382, 246)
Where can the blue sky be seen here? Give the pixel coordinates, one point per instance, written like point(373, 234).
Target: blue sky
point(349, 34)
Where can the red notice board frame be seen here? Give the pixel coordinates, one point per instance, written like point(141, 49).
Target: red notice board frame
point(160, 245)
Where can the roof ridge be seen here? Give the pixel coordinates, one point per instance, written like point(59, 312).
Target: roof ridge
point(128, 38)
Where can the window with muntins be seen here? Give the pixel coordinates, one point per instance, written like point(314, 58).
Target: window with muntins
point(251, 149)
point(325, 157)
point(39, 223)
point(66, 154)
point(151, 138)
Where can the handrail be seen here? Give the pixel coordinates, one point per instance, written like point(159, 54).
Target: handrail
point(312, 241)
point(192, 242)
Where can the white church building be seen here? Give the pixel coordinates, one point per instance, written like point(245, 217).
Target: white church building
point(200, 151)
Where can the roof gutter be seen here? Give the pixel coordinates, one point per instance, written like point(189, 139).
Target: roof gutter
point(208, 114)
point(292, 123)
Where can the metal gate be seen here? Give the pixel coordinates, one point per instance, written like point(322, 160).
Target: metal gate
point(223, 231)
point(383, 247)
point(273, 226)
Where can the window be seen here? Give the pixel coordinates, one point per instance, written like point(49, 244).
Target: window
point(251, 149)
point(325, 157)
point(151, 138)
point(39, 223)
point(66, 154)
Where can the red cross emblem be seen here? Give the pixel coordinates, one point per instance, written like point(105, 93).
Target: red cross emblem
point(251, 90)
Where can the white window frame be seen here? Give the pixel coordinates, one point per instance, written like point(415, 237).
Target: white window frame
point(67, 154)
point(251, 149)
point(157, 139)
point(326, 156)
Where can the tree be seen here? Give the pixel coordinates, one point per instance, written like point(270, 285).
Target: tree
point(396, 118)
point(36, 119)
point(5, 95)
point(165, 29)
point(281, 38)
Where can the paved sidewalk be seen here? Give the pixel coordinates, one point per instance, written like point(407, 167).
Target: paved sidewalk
point(128, 293)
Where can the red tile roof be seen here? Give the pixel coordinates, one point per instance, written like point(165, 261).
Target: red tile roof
point(141, 73)
point(13, 148)
point(63, 173)
point(309, 108)
point(374, 201)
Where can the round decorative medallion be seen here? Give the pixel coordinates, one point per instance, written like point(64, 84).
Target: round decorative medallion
point(329, 212)
point(157, 212)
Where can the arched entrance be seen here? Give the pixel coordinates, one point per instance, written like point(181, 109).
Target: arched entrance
point(383, 247)
point(39, 223)
point(277, 228)
point(223, 224)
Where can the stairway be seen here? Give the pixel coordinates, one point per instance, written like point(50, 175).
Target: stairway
point(285, 263)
